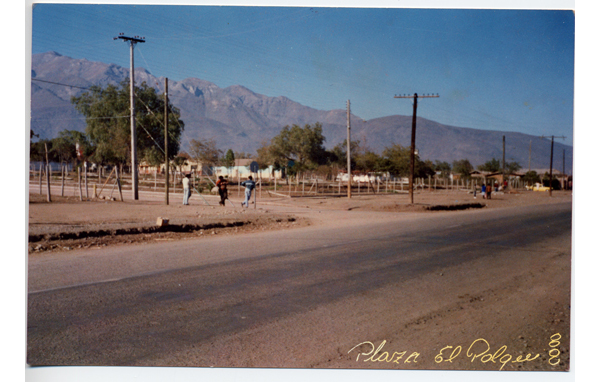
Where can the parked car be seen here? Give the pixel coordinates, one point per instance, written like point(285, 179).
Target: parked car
point(538, 187)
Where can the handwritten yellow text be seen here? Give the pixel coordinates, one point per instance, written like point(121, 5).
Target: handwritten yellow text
point(480, 351)
point(377, 355)
point(554, 352)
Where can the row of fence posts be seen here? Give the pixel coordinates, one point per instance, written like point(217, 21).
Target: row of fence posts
point(396, 186)
point(392, 186)
point(45, 171)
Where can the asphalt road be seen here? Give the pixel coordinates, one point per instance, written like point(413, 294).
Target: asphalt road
point(130, 305)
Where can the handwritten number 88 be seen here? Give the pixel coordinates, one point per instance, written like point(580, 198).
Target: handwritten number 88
point(554, 353)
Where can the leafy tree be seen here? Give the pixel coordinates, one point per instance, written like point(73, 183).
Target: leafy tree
point(108, 123)
point(303, 146)
point(555, 182)
point(491, 166)
point(64, 147)
point(263, 157)
point(37, 151)
point(462, 167)
point(339, 153)
point(205, 151)
point(368, 161)
point(512, 167)
point(396, 160)
point(229, 159)
point(531, 177)
point(444, 168)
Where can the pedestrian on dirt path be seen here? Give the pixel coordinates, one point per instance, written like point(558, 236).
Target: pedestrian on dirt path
point(186, 189)
point(222, 186)
point(249, 184)
point(483, 191)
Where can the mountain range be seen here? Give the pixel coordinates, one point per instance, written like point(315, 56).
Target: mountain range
point(240, 119)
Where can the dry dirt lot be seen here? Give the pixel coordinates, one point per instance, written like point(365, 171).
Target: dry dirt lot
point(68, 223)
point(500, 304)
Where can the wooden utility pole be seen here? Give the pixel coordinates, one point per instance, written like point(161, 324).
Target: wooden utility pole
point(348, 146)
point(134, 174)
point(529, 155)
point(48, 197)
point(551, 160)
point(564, 181)
point(166, 141)
point(503, 156)
point(412, 139)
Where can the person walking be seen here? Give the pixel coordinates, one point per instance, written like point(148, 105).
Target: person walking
point(483, 190)
point(186, 189)
point(249, 184)
point(222, 186)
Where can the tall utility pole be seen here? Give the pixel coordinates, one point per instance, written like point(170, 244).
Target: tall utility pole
point(412, 139)
point(166, 141)
point(134, 172)
point(564, 180)
point(529, 155)
point(503, 162)
point(348, 145)
point(551, 160)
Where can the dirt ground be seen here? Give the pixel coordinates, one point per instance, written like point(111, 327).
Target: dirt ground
point(68, 223)
point(488, 300)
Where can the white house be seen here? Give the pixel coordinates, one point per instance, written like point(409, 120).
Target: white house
point(241, 168)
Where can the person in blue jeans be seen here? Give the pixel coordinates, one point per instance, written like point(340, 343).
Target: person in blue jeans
point(249, 184)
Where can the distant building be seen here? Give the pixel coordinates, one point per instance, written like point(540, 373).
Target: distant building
point(241, 169)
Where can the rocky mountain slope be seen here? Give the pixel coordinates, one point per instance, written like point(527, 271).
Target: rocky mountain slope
point(240, 119)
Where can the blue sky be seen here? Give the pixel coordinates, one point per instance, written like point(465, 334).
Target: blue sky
point(508, 70)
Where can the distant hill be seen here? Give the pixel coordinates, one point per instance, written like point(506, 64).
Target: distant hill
point(240, 119)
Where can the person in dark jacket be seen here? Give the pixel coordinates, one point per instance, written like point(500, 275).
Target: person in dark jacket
point(222, 186)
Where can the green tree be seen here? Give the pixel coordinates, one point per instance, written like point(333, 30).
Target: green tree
point(368, 161)
point(108, 123)
point(491, 166)
point(302, 145)
point(531, 177)
point(396, 160)
point(229, 159)
point(339, 153)
point(462, 167)
point(37, 151)
point(547, 183)
point(64, 147)
point(263, 157)
point(512, 167)
point(444, 168)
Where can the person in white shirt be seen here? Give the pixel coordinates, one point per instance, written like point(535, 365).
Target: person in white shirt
point(186, 189)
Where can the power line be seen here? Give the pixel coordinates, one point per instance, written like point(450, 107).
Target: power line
point(57, 83)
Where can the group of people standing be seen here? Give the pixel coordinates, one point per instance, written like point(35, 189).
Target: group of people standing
point(222, 188)
point(486, 190)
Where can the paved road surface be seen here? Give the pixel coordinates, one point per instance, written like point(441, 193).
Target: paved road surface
point(145, 304)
